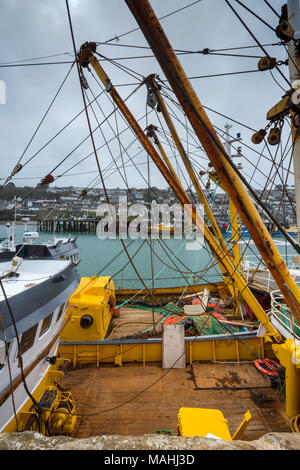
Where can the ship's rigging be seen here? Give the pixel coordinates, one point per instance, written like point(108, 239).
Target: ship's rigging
point(110, 124)
point(190, 138)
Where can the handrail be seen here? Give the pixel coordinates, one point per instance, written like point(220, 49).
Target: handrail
point(282, 314)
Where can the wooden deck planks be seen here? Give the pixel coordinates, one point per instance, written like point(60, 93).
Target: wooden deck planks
point(97, 390)
point(132, 321)
point(236, 376)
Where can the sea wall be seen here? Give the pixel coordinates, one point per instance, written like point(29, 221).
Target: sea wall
point(35, 441)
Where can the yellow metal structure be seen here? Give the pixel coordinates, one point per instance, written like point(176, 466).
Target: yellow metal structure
point(80, 353)
point(190, 103)
point(91, 308)
point(242, 427)
point(204, 422)
point(288, 354)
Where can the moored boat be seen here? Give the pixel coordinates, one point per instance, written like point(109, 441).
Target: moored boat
point(33, 299)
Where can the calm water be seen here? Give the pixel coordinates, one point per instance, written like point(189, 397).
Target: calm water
point(172, 260)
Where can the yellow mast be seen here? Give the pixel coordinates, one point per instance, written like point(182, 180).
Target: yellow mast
point(203, 128)
point(85, 58)
point(161, 104)
point(152, 84)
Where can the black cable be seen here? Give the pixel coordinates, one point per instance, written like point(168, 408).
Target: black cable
point(20, 359)
point(255, 39)
point(161, 18)
point(256, 16)
point(271, 8)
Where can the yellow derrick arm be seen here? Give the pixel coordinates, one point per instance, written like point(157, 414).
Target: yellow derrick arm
point(187, 165)
point(151, 133)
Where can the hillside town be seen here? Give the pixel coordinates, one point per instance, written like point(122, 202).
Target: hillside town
point(75, 202)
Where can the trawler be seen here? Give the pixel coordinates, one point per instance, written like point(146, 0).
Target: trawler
point(33, 298)
point(56, 248)
point(208, 357)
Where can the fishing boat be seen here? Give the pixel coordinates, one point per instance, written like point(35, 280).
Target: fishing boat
point(219, 343)
point(253, 305)
point(56, 248)
point(34, 296)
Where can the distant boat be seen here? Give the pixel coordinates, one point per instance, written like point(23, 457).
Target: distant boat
point(56, 248)
point(291, 230)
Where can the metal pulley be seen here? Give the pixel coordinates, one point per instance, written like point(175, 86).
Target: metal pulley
point(296, 120)
point(274, 136)
point(151, 130)
point(259, 136)
point(16, 169)
point(266, 63)
point(84, 81)
point(47, 180)
point(285, 31)
point(151, 99)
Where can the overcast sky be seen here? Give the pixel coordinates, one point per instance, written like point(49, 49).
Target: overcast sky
point(34, 29)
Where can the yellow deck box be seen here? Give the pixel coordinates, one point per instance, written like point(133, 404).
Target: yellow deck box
point(203, 422)
point(91, 308)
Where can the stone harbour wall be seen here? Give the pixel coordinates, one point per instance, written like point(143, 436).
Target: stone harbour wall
point(35, 441)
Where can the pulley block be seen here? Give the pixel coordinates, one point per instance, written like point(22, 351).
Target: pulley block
point(151, 99)
point(266, 63)
point(84, 81)
point(285, 31)
point(17, 168)
point(295, 99)
point(274, 136)
point(296, 120)
point(47, 180)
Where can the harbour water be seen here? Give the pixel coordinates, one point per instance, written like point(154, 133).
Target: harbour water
point(160, 263)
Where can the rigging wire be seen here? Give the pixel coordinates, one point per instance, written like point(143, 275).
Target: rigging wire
point(256, 16)
point(250, 189)
point(39, 125)
point(255, 39)
point(271, 8)
point(117, 38)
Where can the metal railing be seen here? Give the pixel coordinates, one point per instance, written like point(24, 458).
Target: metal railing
point(261, 275)
point(282, 314)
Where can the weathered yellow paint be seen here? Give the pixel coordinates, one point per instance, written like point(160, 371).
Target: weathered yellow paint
point(288, 355)
point(93, 297)
point(242, 427)
point(51, 378)
point(202, 421)
point(212, 145)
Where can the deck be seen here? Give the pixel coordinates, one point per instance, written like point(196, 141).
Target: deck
point(135, 400)
point(132, 321)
